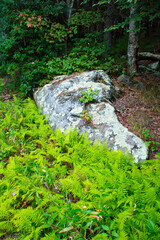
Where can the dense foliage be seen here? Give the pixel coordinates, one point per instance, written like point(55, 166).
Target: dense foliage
point(50, 187)
point(43, 38)
point(49, 184)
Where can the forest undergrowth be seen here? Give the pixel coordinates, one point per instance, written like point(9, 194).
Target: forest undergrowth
point(50, 187)
point(60, 186)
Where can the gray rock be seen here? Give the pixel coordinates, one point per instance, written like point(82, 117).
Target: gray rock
point(144, 68)
point(139, 85)
point(149, 55)
point(156, 74)
point(123, 78)
point(154, 66)
point(59, 102)
point(150, 67)
point(126, 80)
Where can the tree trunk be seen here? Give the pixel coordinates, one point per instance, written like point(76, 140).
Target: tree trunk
point(108, 35)
point(108, 21)
point(70, 5)
point(132, 43)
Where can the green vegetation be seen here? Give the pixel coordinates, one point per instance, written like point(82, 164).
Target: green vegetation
point(48, 38)
point(1, 85)
point(149, 140)
point(50, 187)
point(87, 96)
point(60, 186)
point(86, 115)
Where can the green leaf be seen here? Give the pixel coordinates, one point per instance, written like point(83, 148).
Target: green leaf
point(102, 236)
point(105, 227)
point(112, 225)
point(66, 229)
point(114, 234)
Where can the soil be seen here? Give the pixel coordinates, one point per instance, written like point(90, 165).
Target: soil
point(139, 110)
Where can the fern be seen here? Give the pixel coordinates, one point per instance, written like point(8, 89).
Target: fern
point(59, 186)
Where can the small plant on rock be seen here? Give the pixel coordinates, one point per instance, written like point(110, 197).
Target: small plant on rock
point(86, 115)
point(87, 96)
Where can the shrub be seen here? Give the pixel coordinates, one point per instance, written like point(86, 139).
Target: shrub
point(32, 52)
point(86, 54)
point(59, 186)
point(26, 50)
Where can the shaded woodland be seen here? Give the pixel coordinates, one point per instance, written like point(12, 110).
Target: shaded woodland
point(60, 186)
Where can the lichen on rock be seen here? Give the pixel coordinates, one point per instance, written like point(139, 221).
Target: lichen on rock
point(60, 103)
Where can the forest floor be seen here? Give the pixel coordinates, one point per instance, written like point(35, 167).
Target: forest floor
point(139, 110)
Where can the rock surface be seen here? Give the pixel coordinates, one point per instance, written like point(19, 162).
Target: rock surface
point(60, 102)
point(126, 80)
point(154, 66)
point(149, 55)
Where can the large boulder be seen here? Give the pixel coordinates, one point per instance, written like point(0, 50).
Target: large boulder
point(60, 103)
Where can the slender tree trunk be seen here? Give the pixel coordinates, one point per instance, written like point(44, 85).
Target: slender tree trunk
point(70, 5)
point(70, 11)
point(108, 35)
point(132, 43)
point(108, 21)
